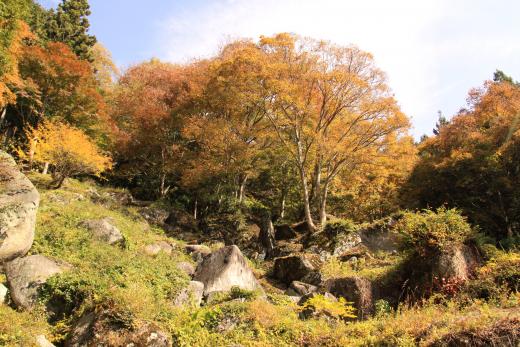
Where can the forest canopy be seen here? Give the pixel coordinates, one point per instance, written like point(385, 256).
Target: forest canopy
point(303, 128)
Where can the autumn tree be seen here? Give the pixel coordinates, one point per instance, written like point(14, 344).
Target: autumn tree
point(229, 125)
point(69, 24)
point(331, 108)
point(372, 191)
point(59, 86)
point(105, 70)
point(69, 150)
point(148, 110)
point(472, 163)
point(12, 31)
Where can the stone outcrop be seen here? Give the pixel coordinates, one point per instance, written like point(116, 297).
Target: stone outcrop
point(192, 294)
point(154, 215)
point(99, 329)
point(19, 202)
point(355, 289)
point(456, 263)
point(26, 275)
point(104, 230)
point(301, 267)
point(158, 247)
point(224, 269)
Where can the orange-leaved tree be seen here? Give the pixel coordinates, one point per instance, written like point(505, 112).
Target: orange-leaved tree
point(331, 109)
point(229, 125)
point(57, 86)
point(69, 150)
point(472, 163)
point(150, 101)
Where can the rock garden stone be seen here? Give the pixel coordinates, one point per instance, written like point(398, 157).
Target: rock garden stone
point(198, 252)
point(97, 329)
point(179, 220)
point(41, 341)
point(456, 263)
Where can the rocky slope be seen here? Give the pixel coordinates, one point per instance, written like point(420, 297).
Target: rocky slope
point(106, 270)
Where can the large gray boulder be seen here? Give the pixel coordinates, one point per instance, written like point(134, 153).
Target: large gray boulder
point(104, 230)
point(301, 288)
point(284, 232)
point(26, 275)
point(19, 202)
point(302, 267)
point(354, 289)
point(224, 269)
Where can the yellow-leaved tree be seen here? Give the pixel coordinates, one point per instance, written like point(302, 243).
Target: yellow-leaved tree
point(69, 150)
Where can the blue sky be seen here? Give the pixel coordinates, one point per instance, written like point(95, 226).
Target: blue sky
point(433, 51)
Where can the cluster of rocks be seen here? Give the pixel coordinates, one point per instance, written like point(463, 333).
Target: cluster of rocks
point(299, 271)
point(19, 201)
point(215, 272)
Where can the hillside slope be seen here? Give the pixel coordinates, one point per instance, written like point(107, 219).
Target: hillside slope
point(131, 293)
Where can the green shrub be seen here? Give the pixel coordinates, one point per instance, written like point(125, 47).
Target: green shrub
point(321, 305)
point(339, 226)
point(382, 308)
point(430, 231)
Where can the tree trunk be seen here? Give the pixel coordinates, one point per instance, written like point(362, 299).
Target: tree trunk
point(306, 203)
point(282, 204)
point(266, 237)
point(316, 180)
point(242, 190)
point(163, 189)
point(57, 181)
point(32, 150)
point(2, 117)
point(45, 168)
point(323, 204)
point(304, 186)
point(195, 209)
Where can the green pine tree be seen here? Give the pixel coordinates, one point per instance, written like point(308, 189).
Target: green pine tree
point(69, 24)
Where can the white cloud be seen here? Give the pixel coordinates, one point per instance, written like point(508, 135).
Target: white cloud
point(428, 48)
